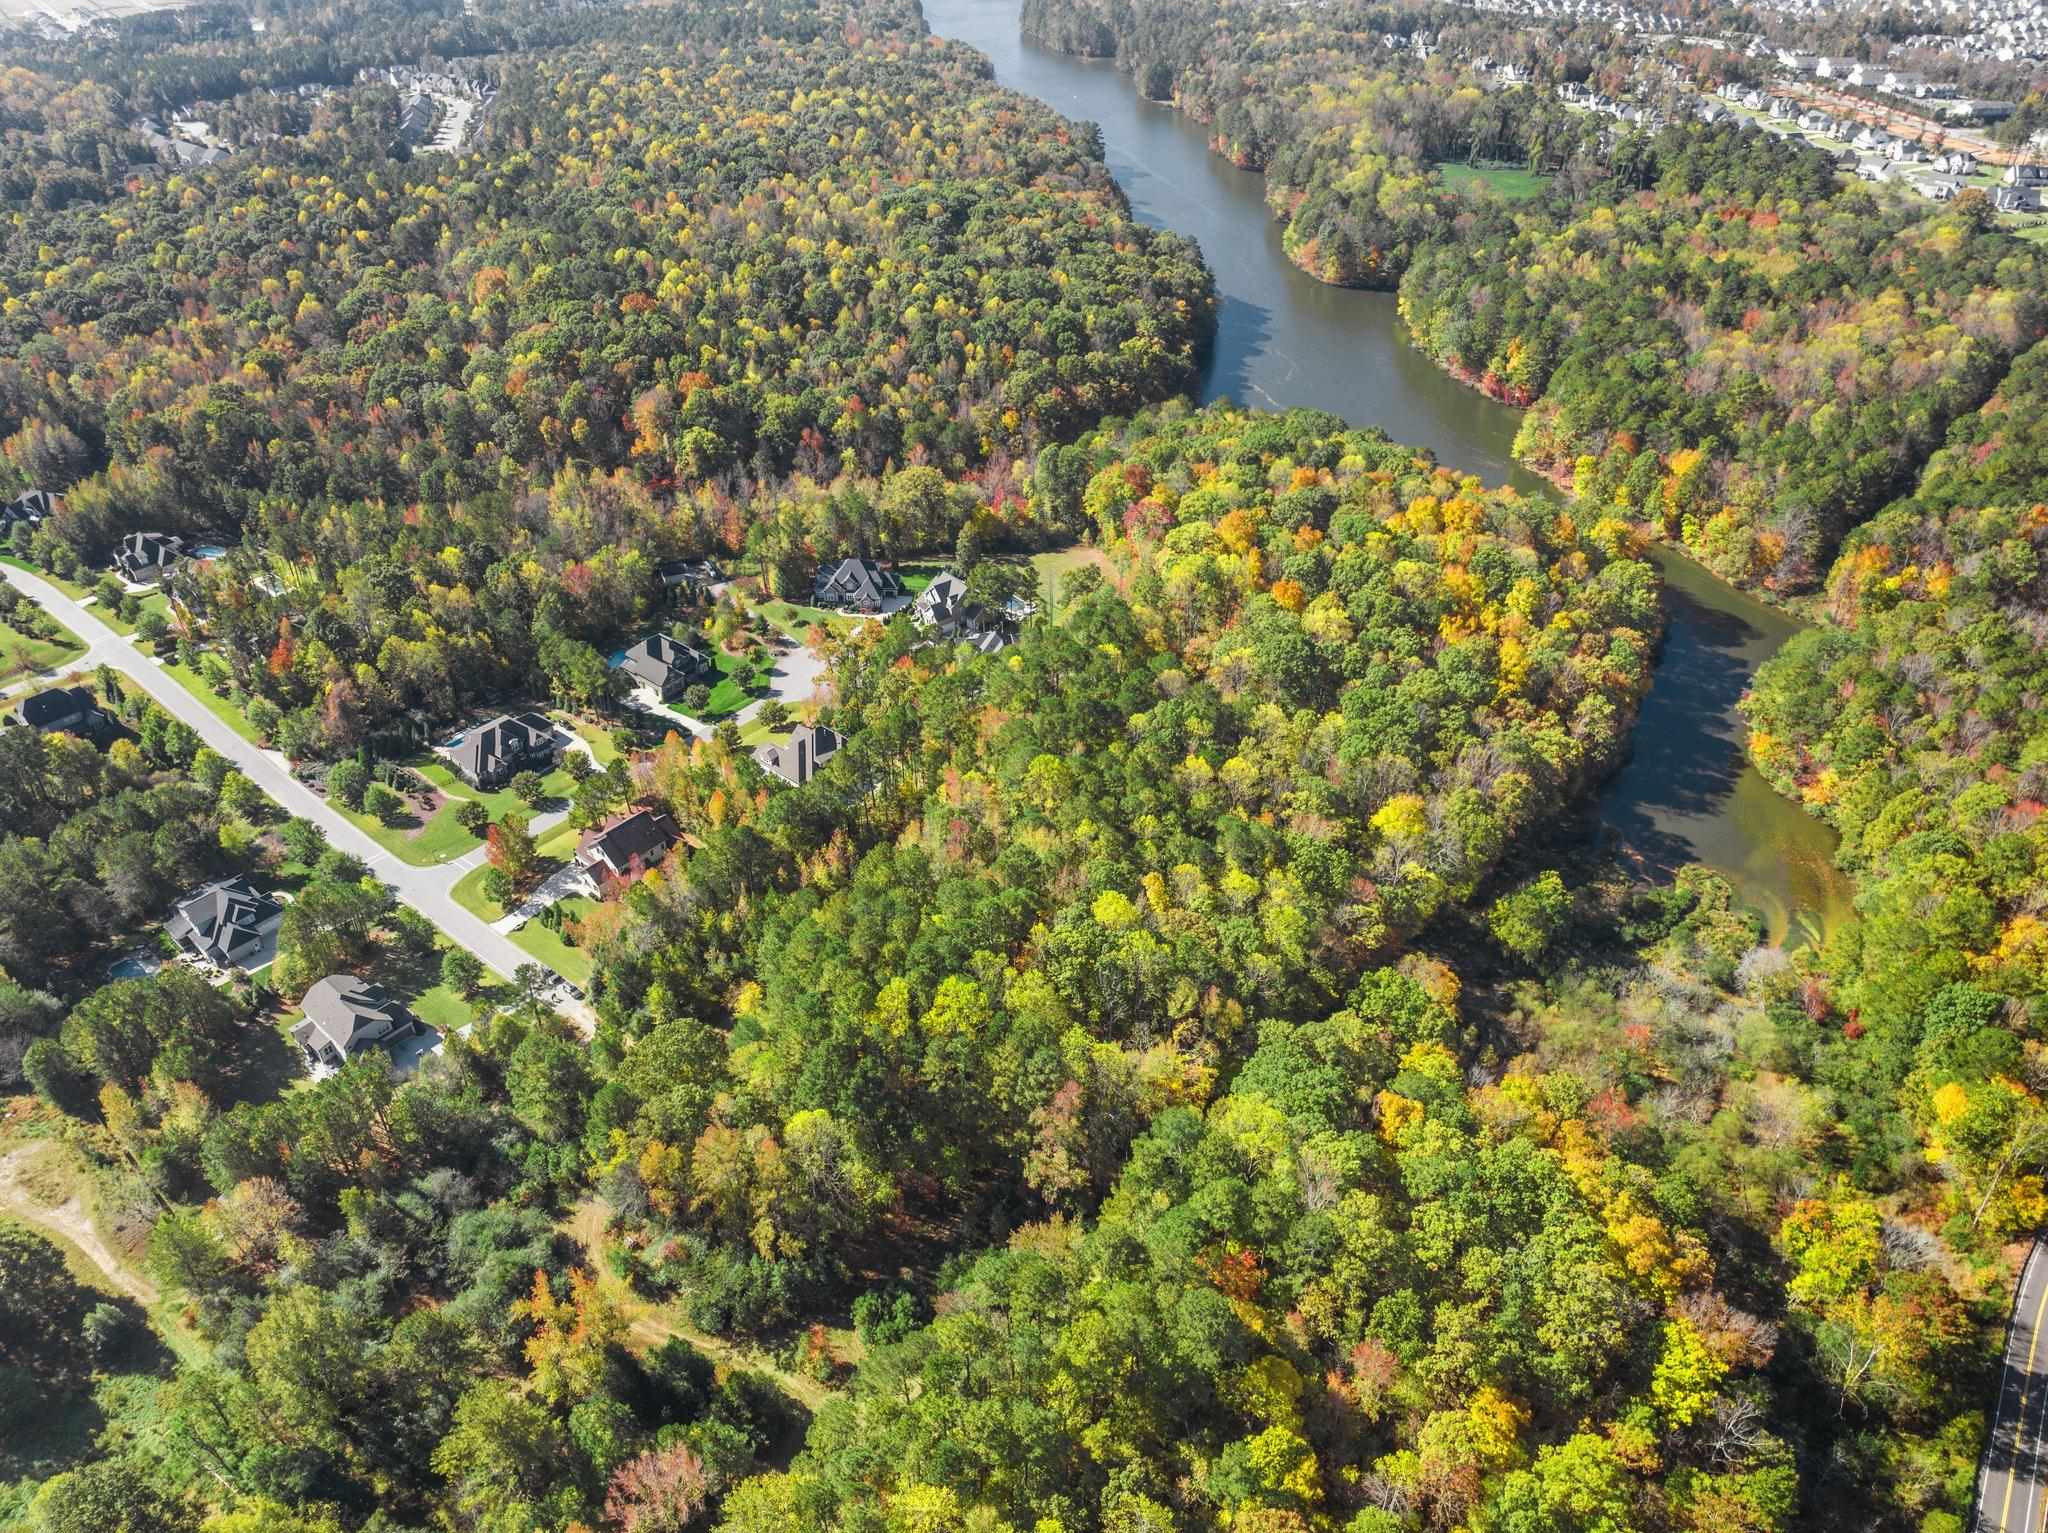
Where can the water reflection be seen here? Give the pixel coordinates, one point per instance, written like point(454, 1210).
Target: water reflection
point(1285, 339)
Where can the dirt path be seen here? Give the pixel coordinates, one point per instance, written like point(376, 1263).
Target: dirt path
point(649, 1325)
point(71, 1219)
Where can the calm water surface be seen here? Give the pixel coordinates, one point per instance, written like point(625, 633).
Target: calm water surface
point(1687, 793)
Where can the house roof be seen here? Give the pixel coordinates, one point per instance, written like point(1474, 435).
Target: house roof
point(645, 834)
point(147, 550)
point(797, 759)
point(44, 709)
point(219, 917)
point(675, 572)
point(345, 1012)
point(657, 658)
point(937, 601)
point(856, 581)
point(500, 741)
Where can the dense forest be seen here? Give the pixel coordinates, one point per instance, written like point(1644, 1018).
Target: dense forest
point(1716, 335)
point(1179, 1067)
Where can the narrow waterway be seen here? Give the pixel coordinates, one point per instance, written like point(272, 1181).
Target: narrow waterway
point(1284, 339)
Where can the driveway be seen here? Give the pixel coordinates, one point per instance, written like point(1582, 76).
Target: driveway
point(425, 889)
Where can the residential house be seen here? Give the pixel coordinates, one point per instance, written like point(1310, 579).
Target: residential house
point(1977, 111)
point(1956, 162)
point(31, 507)
point(2016, 199)
point(344, 1015)
point(1902, 82)
point(145, 558)
point(859, 585)
point(798, 759)
point(628, 846)
point(227, 923)
point(64, 710)
point(690, 580)
point(1814, 122)
point(1905, 152)
point(1862, 76)
point(668, 667)
point(1798, 63)
point(1939, 188)
point(1827, 67)
point(2025, 175)
point(491, 754)
point(1783, 109)
point(943, 607)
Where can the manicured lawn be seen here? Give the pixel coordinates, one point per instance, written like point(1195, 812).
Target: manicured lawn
point(70, 588)
point(728, 697)
point(916, 577)
point(554, 848)
point(442, 838)
point(1505, 181)
point(155, 602)
point(226, 711)
point(547, 946)
point(797, 621)
point(469, 894)
point(22, 656)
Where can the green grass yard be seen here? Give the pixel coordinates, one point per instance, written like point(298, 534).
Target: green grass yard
point(21, 655)
point(797, 621)
point(219, 706)
point(549, 947)
point(441, 838)
point(1507, 182)
point(70, 588)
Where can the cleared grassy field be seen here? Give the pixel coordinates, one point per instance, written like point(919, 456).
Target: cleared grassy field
point(22, 656)
point(1504, 181)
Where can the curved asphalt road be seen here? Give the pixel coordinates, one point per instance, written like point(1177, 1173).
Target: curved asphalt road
point(2012, 1483)
point(425, 889)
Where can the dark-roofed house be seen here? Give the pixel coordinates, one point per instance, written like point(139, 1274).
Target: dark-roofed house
point(859, 585)
point(491, 754)
point(65, 710)
point(943, 608)
point(940, 604)
point(628, 846)
point(227, 923)
point(31, 506)
point(146, 557)
point(345, 1015)
point(797, 759)
point(668, 666)
point(690, 579)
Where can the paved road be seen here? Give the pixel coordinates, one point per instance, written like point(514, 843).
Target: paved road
point(425, 889)
point(2012, 1484)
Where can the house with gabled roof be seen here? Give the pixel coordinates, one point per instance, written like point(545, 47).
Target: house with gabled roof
point(668, 667)
point(857, 585)
point(628, 846)
point(344, 1015)
point(228, 923)
point(493, 753)
point(798, 759)
point(64, 710)
point(145, 558)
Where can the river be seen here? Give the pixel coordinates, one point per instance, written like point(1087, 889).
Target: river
point(1687, 792)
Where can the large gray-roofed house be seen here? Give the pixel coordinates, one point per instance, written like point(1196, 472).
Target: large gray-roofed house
point(146, 557)
point(668, 666)
point(638, 841)
point(492, 753)
point(797, 759)
point(860, 585)
point(226, 922)
point(345, 1015)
